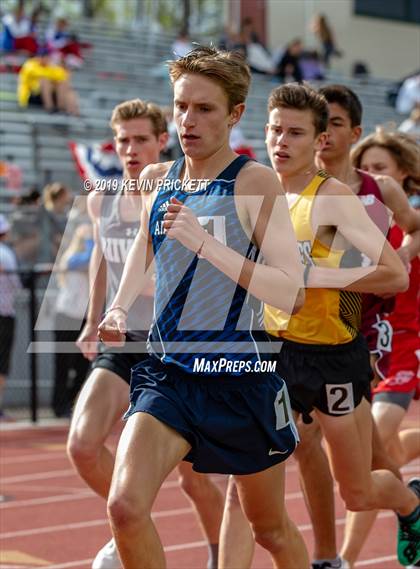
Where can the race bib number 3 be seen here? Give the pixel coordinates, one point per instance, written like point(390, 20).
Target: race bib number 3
point(384, 340)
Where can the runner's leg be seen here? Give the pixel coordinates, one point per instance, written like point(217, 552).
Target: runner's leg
point(147, 452)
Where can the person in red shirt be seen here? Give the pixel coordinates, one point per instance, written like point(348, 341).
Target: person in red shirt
point(398, 156)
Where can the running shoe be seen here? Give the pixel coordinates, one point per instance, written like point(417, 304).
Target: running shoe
point(414, 485)
point(336, 564)
point(408, 547)
point(107, 557)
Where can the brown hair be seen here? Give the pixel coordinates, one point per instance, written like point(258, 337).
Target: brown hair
point(346, 99)
point(227, 68)
point(303, 98)
point(403, 149)
point(138, 109)
point(323, 29)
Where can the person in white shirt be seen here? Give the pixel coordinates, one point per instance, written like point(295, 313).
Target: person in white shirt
point(9, 285)
point(409, 95)
point(182, 45)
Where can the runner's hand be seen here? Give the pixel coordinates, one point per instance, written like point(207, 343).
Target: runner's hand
point(87, 342)
point(182, 224)
point(112, 329)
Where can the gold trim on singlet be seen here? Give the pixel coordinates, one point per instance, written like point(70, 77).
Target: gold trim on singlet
point(329, 316)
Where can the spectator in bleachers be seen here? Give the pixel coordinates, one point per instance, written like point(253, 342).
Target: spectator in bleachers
point(172, 149)
point(250, 45)
point(41, 83)
point(311, 66)
point(323, 31)
point(33, 197)
point(408, 95)
point(71, 367)
point(53, 217)
point(247, 33)
point(9, 285)
point(288, 68)
point(360, 70)
point(37, 228)
point(412, 124)
point(19, 34)
point(78, 214)
point(25, 229)
point(239, 143)
point(12, 174)
point(182, 44)
point(228, 39)
point(63, 44)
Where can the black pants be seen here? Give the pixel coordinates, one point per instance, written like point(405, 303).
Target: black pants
point(70, 368)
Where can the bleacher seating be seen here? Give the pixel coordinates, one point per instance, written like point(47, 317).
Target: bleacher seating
point(120, 66)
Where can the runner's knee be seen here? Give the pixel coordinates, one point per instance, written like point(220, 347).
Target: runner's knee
point(83, 448)
point(273, 540)
point(126, 512)
point(356, 500)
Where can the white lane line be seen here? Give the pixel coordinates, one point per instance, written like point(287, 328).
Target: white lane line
point(155, 515)
point(80, 563)
point(70, 471)
point(91, 523)
point(52, 455)
point(180, 547)
point(184, 546)
point(367, 562)
point(12, 488)
point(39, 476)
point(84, 495)
point(52, 529)
point(89, 494)
point(169, 484)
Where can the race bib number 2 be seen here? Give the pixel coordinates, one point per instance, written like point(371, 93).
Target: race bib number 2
point(340, 398)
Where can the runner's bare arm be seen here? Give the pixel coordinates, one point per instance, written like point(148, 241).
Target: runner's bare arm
point(138, 269)
point(87, 339)
point(261, 201)
point(405, 216)
point(339, 207)
point(97, 264)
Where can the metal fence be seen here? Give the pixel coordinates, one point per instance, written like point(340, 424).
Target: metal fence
point(33, 368)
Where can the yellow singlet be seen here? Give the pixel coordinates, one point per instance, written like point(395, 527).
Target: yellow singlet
point(329, 316)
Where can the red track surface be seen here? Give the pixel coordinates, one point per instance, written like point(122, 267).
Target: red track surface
point(53, 519)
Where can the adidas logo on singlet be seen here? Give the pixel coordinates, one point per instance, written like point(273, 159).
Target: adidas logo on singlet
point(164, 206)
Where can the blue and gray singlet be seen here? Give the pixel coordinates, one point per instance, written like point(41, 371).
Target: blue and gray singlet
point(200, 312)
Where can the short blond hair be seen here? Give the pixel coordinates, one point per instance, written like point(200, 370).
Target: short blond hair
point(53, 192)
point(138, 109)
point(226, 68)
